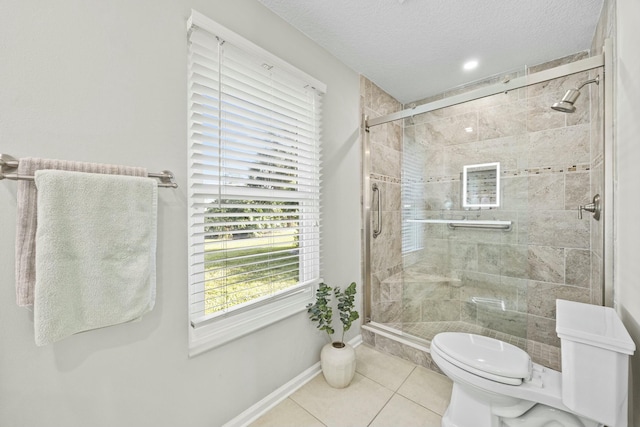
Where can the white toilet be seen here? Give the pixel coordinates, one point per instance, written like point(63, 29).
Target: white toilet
point(495, 384)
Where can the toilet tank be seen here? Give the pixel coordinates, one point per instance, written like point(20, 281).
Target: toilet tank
point(595, 361)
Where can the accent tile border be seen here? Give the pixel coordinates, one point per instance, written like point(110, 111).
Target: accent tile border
point(583, 167)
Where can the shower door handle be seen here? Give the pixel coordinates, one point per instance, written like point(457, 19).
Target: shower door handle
point(378, 230)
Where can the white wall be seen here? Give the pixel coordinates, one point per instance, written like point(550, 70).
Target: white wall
point(627, 196)
point(105, 81)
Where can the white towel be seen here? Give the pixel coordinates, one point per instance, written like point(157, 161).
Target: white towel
point(26, 214)
point(95, 251)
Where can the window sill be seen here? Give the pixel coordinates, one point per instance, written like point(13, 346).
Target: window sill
point(219, 331)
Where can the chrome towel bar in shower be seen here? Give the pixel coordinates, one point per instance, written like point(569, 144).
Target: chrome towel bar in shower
point(468, 223)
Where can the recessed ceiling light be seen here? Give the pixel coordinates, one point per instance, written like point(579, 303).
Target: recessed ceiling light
point(470, 65)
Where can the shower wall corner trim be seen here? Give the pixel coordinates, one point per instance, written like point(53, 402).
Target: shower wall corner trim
point(366, 220)
point(609, 177)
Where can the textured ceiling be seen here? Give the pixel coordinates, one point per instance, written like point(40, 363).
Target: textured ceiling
point(416, 48)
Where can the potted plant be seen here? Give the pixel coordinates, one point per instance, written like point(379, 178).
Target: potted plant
point(337, 359)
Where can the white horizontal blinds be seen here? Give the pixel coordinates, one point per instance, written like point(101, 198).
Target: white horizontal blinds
point(254, 178)
point(413, 200)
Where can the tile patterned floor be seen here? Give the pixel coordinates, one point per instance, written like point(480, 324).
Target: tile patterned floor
point(386, 392)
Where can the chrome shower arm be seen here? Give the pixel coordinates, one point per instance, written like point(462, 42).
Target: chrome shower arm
point(596, 80)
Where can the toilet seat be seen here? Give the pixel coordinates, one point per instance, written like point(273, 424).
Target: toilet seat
point(545, 386)
point(483, 356)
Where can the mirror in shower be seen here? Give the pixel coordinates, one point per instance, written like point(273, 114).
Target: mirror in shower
point(481, 186)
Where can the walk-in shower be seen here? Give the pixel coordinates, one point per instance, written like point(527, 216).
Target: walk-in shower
point(470, 204)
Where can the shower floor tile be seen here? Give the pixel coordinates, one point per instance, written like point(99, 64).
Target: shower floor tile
point(386, 392)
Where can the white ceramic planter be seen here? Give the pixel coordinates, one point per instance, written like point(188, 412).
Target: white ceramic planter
point(338, 364)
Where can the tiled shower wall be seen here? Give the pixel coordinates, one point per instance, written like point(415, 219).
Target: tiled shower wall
point(506, 281)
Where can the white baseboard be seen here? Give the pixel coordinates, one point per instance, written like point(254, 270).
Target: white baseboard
point(280, 394)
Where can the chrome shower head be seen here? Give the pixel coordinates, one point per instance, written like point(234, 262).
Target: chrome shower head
point(566, 105)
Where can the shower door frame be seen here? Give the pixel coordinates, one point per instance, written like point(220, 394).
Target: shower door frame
point(603, 60)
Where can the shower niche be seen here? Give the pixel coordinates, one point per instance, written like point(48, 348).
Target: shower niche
point(481, 186)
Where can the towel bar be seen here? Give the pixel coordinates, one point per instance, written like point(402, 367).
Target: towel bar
point(468, 223)
point(9, 164)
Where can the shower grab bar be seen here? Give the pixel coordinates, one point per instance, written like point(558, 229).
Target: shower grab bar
point(8, 163)
point(468, 223)
point(377, 231)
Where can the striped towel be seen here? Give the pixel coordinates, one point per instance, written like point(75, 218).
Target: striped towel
point(27, 213)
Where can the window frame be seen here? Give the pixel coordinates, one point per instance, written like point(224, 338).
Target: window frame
point(225, 327)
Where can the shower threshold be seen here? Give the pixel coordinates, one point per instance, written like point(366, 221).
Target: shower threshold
point(418, 336)
point(397, 335)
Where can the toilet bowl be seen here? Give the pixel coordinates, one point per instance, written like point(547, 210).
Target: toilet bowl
point(496, 384)
point(546, 416)
point(488, 393)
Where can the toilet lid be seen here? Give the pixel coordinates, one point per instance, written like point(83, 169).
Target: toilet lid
point(484, 355)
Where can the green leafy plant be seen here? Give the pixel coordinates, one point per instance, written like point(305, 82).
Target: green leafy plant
point(322, 311)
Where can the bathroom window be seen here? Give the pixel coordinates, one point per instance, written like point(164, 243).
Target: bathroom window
point(254, 186)
point(412, 196)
